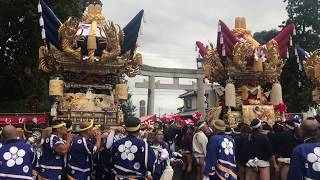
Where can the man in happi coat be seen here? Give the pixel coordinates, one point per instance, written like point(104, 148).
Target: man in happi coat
point(133, 158)
point(220, 161)
point(16, 157)
point(305, 159)
point(54, 150)
point(82, 148)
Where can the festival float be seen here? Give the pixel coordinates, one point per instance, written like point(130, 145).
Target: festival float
point(245, 67)
point(88, 60)
point(311, 64)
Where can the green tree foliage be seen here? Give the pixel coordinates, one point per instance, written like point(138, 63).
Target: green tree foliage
point(304, 14)
point(128, 108)
point(23, 88)
point(297, 87)
point(264, 36)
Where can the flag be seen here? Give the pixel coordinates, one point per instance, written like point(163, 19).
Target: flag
point(131, 32)
point(50, 24)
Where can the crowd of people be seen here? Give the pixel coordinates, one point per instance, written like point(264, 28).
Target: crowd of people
point(285, 151)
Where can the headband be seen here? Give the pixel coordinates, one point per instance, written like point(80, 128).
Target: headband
point(97, 126)
point(289, 127)
point(133, 129)
point(70, 129)
point(256, 126)
point(59, 125)
point(202, 124)
point(86, 128)
point(25, 129)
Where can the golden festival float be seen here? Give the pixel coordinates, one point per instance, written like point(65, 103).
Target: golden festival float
point(311, 64)
point(88, 60)
point(244, 67)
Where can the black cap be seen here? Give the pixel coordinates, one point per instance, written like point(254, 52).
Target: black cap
point(236, 130)
point(29, 126)
point(290, 124)
point(255, 123)
point(132, 124)
point(228, 130)
point(199, 123)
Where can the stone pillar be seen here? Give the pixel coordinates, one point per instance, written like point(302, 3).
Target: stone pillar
point(142, 108)
point(200, 96)
point(151, 89)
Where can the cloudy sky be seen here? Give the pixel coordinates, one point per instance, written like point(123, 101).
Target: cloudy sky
point(172, 26)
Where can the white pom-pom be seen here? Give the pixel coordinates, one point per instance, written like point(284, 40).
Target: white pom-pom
point(39, 8)
point(223, 51)
point(221, 39)
point(43, 33)
point(41, 22)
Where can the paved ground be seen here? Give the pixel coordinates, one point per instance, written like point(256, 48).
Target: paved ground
point(179, 175)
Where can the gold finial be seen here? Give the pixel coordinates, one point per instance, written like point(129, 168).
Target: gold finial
point(94, 13)
point(240, 22)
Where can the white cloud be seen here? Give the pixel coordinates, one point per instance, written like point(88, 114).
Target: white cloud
point(173, 26)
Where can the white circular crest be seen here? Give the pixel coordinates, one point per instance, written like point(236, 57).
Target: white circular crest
point(13, 150)
point(79, 141)
point(226, 151)
point(231, 151)
point(128, 144)
point(317, 151)
point(121, 148)
point(130, 156)
point(230, 144)
point(19, 160)
point(316, 166)
point(226, 175)
point(134, 149)
point(312, 157)
point(21, 153)
point(25, 169)
point(224, 144)
point(136, 166)
point(10, 163)
point(7, 156)
point(123, 156)
point(47, 140)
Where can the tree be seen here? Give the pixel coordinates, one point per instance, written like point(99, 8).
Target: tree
point(264, 36)
point(297, 88)
point(23, 87)
point(128, 108)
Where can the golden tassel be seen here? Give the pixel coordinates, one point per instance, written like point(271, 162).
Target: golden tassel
point(317, 71)
point(258, 65)
point(230, 95)
point(276, 94)
point(92, 42)
point(244, 92)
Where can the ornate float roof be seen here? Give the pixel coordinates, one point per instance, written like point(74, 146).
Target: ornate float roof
point(93, 44)
point(239, 56)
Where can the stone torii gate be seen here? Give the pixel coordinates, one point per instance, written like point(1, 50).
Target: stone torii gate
point(174, 73)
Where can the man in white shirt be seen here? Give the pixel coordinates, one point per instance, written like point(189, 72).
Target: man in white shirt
point(199, 146)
